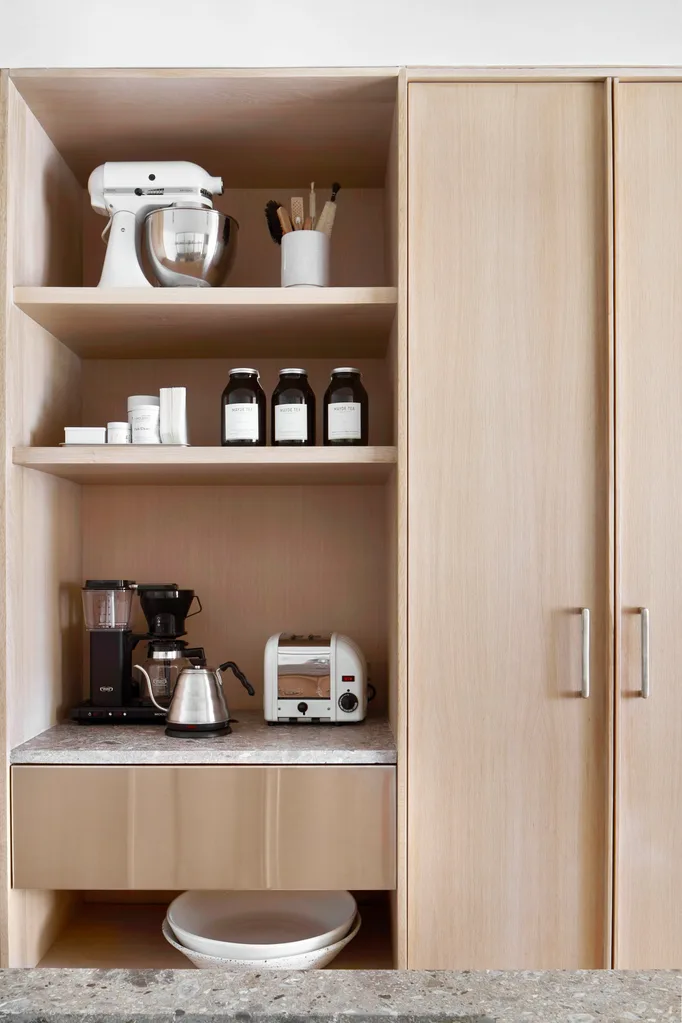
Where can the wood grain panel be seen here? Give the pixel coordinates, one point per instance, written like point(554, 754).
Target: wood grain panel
point(203, 827)
point(41, 628)
point(649, 428)
point(508, 527)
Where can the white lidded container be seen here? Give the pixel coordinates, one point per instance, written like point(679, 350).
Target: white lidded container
point(118, 433)
point(135, 400)
point(262, 924)
point(144, 418)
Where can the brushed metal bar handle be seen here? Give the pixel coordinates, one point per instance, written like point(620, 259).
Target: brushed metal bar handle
point(646, 684)
point(585, 688)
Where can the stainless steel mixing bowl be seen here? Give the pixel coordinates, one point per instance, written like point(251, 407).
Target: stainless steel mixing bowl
point(190, 246)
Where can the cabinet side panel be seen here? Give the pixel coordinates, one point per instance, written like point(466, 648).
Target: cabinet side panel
point(508, 768)
point(41, 389)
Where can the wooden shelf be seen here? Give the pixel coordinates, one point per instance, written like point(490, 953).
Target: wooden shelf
point(211, 465)
point(134, 323)
point(120, 936)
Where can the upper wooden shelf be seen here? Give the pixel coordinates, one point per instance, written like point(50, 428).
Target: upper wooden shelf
point(136, 323)
point(142, 464)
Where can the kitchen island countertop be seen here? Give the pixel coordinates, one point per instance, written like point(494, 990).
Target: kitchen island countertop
point(252, 741)
point(170, 996)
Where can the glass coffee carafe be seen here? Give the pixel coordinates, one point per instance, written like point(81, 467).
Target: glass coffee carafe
point(165, 660)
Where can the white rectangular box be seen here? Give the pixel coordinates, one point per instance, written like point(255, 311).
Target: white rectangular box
point(85, 435)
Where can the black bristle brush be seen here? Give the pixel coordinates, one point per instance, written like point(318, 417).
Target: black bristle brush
point(336, 188)
point(273, 221)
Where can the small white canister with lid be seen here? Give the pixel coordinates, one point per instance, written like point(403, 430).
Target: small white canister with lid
point(143, 416)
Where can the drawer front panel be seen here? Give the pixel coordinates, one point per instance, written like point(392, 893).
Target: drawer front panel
point(203, 827)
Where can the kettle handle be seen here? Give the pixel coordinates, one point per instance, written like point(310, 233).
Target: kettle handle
point(138, 667)
point(240, 675)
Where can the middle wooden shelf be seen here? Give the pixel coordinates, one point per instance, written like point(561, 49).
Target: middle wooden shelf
point(144, 464)
point(149, 323)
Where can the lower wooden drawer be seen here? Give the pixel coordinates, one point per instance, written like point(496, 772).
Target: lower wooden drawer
point(203, 827)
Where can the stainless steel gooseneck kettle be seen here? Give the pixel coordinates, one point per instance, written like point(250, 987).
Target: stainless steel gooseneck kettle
point(198, 706)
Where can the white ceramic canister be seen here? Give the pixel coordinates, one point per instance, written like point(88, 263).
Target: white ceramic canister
point(145, 425)
point(305, 259)
point(136, 400)
point(118, 433)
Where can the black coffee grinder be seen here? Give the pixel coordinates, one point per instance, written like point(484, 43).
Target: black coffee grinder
point(115, 697)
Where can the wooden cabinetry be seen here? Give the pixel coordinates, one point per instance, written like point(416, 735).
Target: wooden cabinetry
point(648, 889)
point(151, 828)
point(509, 519)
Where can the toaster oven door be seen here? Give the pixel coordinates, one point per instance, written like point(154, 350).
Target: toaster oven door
point(304, 672)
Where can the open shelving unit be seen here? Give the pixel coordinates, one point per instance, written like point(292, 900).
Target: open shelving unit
point(302, 540)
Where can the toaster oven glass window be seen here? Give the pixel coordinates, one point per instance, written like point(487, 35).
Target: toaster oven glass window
point(304, 674)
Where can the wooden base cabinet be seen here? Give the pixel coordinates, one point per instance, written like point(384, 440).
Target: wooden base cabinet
point(648, 879)
point(509, 518)
point(81, 828)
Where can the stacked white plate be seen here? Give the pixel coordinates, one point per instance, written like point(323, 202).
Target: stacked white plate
point(261, 930)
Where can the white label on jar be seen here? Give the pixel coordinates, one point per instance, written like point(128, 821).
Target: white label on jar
point(343, 420)
point(241, 421)
point(291, 422)
point(145, 425)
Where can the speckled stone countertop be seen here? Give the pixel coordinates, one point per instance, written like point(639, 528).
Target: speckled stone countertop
point(170, 996)
point(252, 741)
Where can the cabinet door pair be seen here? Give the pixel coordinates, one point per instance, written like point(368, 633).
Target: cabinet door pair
point(545, 512)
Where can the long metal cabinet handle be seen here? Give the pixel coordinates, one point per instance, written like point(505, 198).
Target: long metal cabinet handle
point(646, 685)
point(585, 688)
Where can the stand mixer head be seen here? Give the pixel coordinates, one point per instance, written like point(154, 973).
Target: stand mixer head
point(130, 192)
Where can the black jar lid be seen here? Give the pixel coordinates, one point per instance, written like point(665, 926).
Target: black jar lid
point(293, 372)
point(245, 369)
point(346, 369)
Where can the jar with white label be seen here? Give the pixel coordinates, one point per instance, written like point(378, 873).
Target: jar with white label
point(346, 408)
point(293, 410)
point(243, 410)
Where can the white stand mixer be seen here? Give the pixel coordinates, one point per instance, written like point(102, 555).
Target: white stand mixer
point(127, 193)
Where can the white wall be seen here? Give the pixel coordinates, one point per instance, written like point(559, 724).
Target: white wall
point(300, 33)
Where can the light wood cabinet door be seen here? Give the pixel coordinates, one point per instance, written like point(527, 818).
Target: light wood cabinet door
point(509, 526)
point(648, 876)
point(203, 827)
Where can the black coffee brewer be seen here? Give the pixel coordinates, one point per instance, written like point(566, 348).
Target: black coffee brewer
point(107, 607)
point(166, 608)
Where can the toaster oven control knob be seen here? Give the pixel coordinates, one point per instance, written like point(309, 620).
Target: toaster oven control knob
point(348, 702)
point(302, 708)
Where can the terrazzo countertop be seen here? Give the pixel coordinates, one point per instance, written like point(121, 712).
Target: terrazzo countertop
point(170, 996)
point(252, 741)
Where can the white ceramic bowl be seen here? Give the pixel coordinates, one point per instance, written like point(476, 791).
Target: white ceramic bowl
point(316, 960)
point(260, 925)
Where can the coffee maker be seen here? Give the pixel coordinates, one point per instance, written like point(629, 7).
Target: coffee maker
point(166, 607)
point(107, 609)
point(115, 696)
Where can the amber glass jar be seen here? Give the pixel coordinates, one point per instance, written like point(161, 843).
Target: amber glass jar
point(243, 410)
point(346, 408)
point(293, 410)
